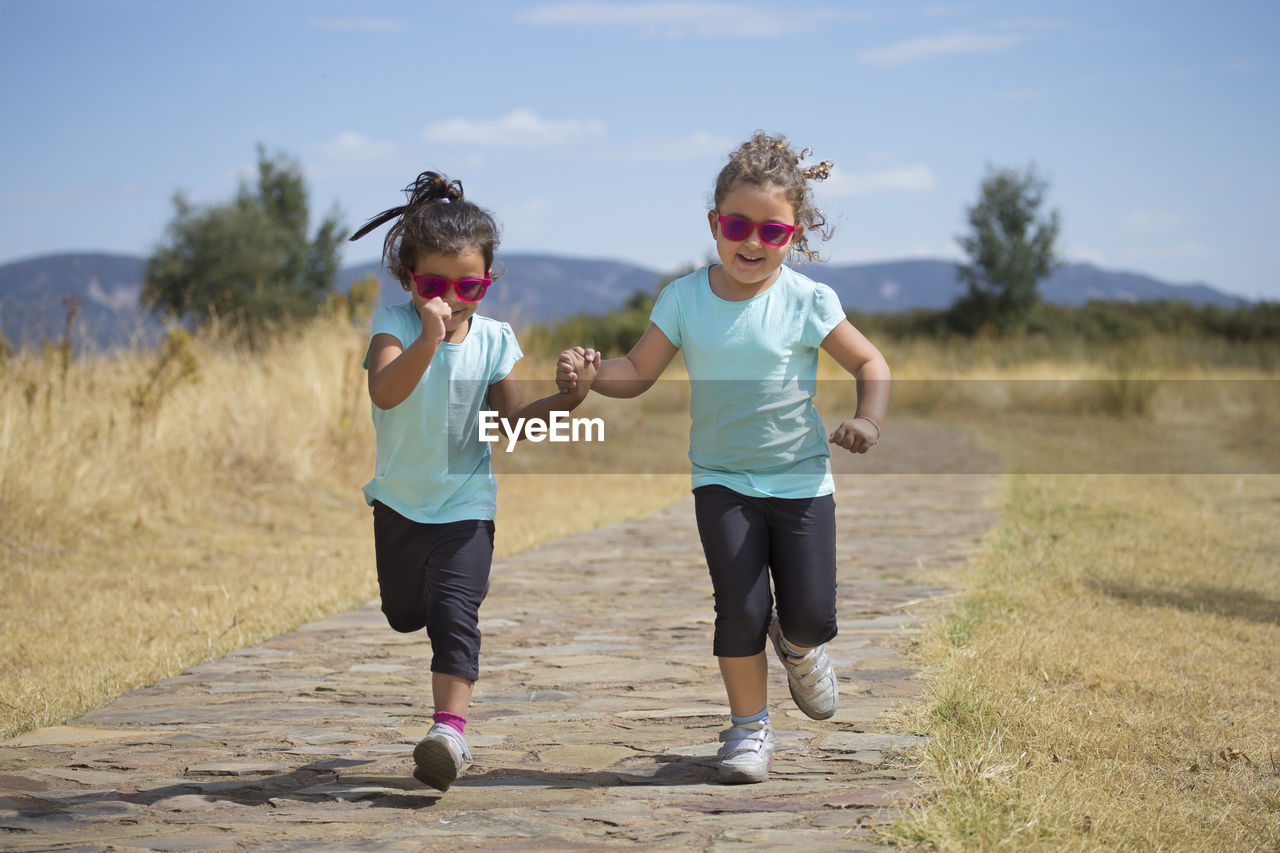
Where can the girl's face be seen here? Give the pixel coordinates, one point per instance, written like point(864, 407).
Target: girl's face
point(750, 264)
point(468, 263)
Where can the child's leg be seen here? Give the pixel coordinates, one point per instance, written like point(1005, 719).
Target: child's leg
point(401, 547)
point(803, 557)
point(451, 693)
point(746, 683)
point(802, 554)
point(735, 540)
point(457, 575)
point(457, 572)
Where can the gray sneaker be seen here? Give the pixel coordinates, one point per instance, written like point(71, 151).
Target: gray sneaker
point(810, 677)
point(746, 753)
point(439, 757)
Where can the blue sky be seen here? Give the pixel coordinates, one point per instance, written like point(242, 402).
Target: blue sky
point(596, 129)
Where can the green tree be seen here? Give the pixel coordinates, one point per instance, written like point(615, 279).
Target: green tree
point(1011, 249)
point(248, 263)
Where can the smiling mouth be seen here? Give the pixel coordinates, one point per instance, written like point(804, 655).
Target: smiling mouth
point(747, 260)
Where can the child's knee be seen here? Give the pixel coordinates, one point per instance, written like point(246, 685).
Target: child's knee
point(741, 634)
point(404, 620)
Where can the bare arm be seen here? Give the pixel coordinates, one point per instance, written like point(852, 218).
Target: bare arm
point(394, 369)
point(856, 354)
point(508, 400)
point(635, 373)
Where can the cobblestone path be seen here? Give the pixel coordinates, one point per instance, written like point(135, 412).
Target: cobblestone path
point(594, 724)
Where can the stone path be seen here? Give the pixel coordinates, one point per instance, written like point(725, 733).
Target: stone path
point(594, 724)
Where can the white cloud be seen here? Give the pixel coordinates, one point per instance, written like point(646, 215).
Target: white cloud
point(931, 47)
point(1140, 221)
point(350, 146)
point(519, 128)
point(917, 178)
point(358, 25)
point(672, 20)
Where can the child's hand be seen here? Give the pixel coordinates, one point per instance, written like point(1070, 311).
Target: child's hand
point(856, 435)
point(575, 367)
point(434, 312)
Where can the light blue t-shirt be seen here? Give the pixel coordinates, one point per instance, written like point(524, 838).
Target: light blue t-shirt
point(431, 465)
point(753, 369)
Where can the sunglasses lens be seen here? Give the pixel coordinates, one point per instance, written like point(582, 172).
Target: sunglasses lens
point(735, 228)
point(471, 289)
point(431, 286)
point(774, 233)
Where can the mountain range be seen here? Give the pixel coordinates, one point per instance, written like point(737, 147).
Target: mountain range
point(534, 289)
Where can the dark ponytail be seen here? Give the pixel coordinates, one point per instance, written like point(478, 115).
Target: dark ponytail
point(437, 219)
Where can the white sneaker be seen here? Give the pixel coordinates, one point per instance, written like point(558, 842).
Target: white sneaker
point(746, 753)
point(439, 757)
point(810, 677)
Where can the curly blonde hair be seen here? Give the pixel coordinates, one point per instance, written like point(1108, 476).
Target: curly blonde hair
point(770, 161)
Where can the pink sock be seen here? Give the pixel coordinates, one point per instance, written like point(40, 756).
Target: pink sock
point(457, 722)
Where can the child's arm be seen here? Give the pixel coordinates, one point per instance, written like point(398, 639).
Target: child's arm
point(634, 373)
point(856, 354)
point(395, 370)
point(508, 400)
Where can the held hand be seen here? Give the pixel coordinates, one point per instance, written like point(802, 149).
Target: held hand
point(434, 312)
point(856, 435)
point(576, 370)
point(587, 374)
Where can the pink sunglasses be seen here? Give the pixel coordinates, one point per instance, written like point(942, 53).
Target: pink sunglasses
point(468, 289)
point(739, 228)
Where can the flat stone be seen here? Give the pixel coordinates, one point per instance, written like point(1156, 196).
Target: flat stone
point(237, 768)
point(351, 793)
point(71, 735)
point(613, 814)
point(676, 713)
point(868, 742)
point(876, 796)
point(586, 756)
point(195, 803)
point(186, 842)
point(724, 805)
point(11, 782)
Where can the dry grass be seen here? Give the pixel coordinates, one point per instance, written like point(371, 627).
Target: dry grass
point(151, 518)
point(1108, 679)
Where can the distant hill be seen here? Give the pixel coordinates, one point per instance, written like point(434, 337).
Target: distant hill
point(31, 294)
point(888, 287)
point(534, 289)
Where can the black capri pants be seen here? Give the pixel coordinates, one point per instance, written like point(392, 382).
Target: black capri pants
point(434, 576)
point(744, 539)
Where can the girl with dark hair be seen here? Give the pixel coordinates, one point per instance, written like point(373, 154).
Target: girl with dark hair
point(750, 328)
point(434, 364)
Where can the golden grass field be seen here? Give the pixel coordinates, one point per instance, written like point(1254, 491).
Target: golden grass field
point(1104, 678)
